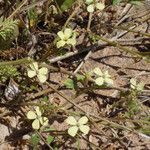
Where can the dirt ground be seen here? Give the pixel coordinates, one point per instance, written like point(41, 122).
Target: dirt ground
point(101, 102)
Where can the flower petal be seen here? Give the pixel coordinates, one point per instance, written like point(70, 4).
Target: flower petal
point(71, 41)
point(133, 81)
point(68, 33)
point(61, 35)
point(71, 120)
point(31, 73)
point(31, 115)
point(43, 121)
point(89, 1)
point(140, 86)
point(99, 81)
point(34, 66)
point(38, 111)
point(100, 6)
point(43, 71)
point(36, 124)
point(85, 129)
point(98, 71)
point(60, 43)
point(106, 74)
point(83, 120)
point(109, 81)
point(42, 78)
point(90, 8)
point(73, 130)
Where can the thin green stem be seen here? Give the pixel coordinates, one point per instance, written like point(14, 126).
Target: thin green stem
point(17, 62)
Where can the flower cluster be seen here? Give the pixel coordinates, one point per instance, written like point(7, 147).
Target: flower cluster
point(35, 71)
point(94, 5)
point(136, 86)
point(37, 117)
point(66, 37)
point(77, 125)
point(102, 78)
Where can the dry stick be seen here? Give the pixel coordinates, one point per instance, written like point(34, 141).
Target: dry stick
point(95, 47)
point(89, 22)
point(90, 52)
point(124, 14)
point(21, 5)
point(71, 16)
point(131, 30)
point(33, 5)
point(90, 114)
point(44, 140)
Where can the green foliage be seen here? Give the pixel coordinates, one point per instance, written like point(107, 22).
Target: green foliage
point(70, 84)
point(132, 108)
point(8, 32)
point(35, 139)
point(64, 4)
point(50, 139)
point(7, 72)
point(32, 16)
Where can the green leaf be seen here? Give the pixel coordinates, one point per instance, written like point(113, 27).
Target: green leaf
point(35, 139)
point(49, 129)
point(116, 2)
point(49, 139)
point(64, 4)
point(70, 84)
point(80, 77)
point(136, 2)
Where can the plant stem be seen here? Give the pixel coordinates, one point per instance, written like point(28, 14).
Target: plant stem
point(17, 62)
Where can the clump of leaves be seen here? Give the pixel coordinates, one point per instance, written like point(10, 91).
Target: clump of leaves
point(35, 71)
point(102, 78)
point(8, 32)
point(66, 37)
point(38, 118)
point(93, 4)
point(77, 125)
point(7, 72)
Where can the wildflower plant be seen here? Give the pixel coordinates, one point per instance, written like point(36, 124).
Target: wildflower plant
point(66, 37)
point(102, 78)
point(93, 4)
point(136, 86)
point(77, 125)
point(39, 120)
point(35, 71)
